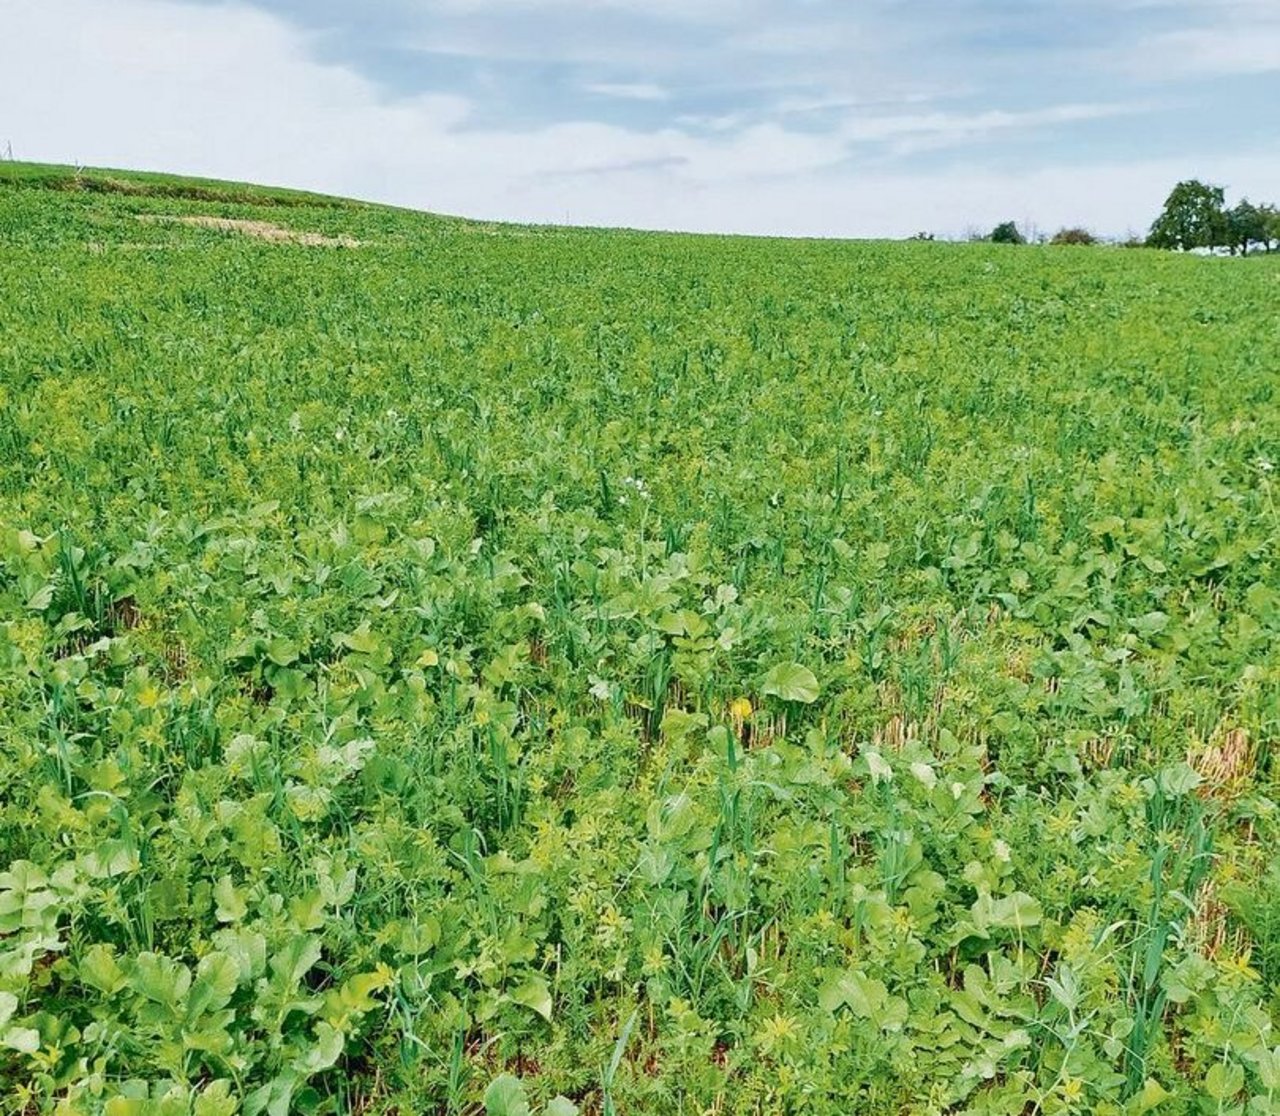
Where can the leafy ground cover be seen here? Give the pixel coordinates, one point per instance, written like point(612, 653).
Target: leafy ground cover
point(457, 668)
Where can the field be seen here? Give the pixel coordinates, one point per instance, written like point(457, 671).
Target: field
point(449, 668)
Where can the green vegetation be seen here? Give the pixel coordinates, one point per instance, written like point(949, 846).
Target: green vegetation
point(533, 670)
point(95, 180)
point(1076, 236)
point(1007, 233)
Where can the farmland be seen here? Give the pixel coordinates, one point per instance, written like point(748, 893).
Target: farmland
point(449, 667)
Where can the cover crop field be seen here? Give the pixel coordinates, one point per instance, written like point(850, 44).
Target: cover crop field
point(449, 667)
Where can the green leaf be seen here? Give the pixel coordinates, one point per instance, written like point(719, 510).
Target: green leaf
point(24, 1040)
point(505, 1097)
point(110, 858)
point(281, 651)
point(1223, 1081)
point(1152, 1096)
point(295, 960)
point(1018, 911)
point(230, 906)
point(215, 1099)
point(792, 682)
point(8, 1005)
point(1179, 779)
point(160, 979)
point(99, 969)
point(362, 640)
point(41, 599)
point(216, 978)
point(561, 1106)
point(535, 995)
point(865, 996)
point(327, 1050)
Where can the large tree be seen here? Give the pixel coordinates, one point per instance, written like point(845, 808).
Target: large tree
point(1247, 224)
point(1193, 217)
point(1007, 233)
point(1270, 225)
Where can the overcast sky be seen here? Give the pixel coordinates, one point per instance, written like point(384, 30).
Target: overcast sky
point(812, 117)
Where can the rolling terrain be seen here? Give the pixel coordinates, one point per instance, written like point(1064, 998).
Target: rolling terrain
point(454, 667)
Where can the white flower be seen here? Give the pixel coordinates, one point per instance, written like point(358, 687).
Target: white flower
point(1002, 851)
point(600, 689)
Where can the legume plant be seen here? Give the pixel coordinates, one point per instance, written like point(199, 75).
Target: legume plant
point(452, 668)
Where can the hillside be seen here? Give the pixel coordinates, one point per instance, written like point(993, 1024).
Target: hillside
point(448, 665)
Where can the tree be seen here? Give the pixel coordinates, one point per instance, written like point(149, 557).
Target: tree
point(1270, 225)
point(1193, 217)
point(1007, 233)
point(1073, 236)
point(1246, 225)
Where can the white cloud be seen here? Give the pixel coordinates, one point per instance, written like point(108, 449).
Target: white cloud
point(628, 90)
point(230, 92)
point(1211, 50)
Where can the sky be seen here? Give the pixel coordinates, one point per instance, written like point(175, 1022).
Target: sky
point(783, 117)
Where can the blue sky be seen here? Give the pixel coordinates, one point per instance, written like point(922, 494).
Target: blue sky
point(804, 117)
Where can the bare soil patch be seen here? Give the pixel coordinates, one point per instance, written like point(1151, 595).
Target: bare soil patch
point(263, 230)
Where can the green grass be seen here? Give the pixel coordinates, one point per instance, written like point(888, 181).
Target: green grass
point(145, 184)
point(492, 664)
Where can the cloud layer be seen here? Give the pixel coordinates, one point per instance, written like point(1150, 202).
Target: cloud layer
point(724, 115)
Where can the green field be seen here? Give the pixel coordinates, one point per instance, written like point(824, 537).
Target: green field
point(449, 667)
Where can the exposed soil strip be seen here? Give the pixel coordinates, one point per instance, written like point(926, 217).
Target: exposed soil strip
point(263, 230)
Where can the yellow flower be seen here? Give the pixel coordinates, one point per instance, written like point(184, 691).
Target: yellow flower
point(740, 708)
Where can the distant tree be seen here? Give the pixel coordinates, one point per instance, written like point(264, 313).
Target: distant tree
point(1193, 217)
point(1270, 226)
point(1073, 236)
point(1007, 233)
point(921, 236)
point(1246, 225)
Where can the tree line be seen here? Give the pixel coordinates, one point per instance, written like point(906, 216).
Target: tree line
point(1195, 216)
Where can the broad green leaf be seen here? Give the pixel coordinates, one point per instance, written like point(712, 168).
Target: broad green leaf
point(326, 1051)
point(25, 1040)
point(215, 1099)
point(100, 969)
point(41, 599)
point(216, 978)
point(791, 682)
point(1180, 779)
point(1153, 1095)
point(295, 959)
point(505, 1097)
point(160, 979)
point(109, 859)
point(534, 994)
point(1223, 1081)
point(230, 906)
